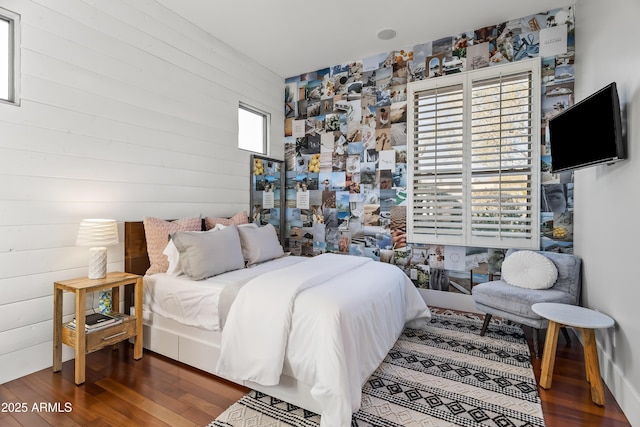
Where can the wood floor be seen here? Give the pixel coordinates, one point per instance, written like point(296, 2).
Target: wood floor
point(156, 391)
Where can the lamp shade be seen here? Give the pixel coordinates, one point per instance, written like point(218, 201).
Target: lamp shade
point(97, 232)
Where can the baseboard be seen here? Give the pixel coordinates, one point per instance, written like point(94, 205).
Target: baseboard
point(627, 397)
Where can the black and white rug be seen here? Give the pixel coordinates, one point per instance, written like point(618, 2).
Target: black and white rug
point(444, 375)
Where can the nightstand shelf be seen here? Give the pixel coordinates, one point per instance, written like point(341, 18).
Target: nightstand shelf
point(86, 342)
point(96, 340)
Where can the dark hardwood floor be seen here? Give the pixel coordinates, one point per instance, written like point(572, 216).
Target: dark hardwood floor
point(156, 391)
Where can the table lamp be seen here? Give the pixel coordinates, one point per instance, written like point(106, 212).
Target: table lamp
point(97, 234)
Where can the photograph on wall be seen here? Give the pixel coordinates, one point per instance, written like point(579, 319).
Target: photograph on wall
point(387, 200)
point(398, 93)
point(434, 65)
point(552, 106)
point(383, 139)
point(553, 40)
point(371, 215)
point(398, 112)
point(562, 227)
point(562, 89)
point(386, 179)
point(461, 42)
point(400, 72)
point(417, 64)
point(313, 107)
point(383, 77)
point(563, 73)
point(478, 56)
point(399, 134)
point(485, 34)
point(554, 198)
point(526, 45)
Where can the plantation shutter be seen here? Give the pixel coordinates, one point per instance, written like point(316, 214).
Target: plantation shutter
point(473, 151)
point(503, 161)
point(438, 181)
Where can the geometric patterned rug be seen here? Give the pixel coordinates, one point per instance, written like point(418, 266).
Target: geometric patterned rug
point(443, 375)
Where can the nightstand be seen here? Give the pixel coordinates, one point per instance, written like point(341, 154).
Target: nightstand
point(83, 342)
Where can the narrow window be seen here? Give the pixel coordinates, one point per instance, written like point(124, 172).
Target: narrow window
point(9, 56)
point(252, 129)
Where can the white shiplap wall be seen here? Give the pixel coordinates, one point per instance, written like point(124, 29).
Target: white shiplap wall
point(127, 111)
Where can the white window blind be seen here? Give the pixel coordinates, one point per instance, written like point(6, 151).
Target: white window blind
point(474, 158)
point(438, 179)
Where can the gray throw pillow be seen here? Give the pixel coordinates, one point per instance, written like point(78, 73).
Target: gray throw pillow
point(260, 244)
point(209, 253)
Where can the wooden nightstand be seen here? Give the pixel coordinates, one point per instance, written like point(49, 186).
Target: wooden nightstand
point(77, 338)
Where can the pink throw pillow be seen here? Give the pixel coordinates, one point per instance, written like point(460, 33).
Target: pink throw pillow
point(237, 219)
point(157, 234)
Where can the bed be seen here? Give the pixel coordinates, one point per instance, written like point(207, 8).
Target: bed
point(309, 331)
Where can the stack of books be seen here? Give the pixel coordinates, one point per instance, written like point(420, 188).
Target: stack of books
point(96, 321)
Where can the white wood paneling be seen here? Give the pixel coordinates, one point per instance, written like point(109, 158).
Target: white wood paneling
point(127, 111)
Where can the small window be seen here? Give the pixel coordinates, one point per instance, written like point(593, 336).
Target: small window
point(252, 129)
point(9, 56)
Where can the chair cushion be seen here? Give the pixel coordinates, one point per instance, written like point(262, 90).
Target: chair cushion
point(530, 270)
point(501, 299)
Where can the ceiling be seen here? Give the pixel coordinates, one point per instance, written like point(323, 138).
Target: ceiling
point(291, 37)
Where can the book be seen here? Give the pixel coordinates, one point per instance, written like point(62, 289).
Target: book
point(96, 321)
point(72, 325)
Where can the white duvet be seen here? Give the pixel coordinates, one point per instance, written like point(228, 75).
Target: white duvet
point(328, 321)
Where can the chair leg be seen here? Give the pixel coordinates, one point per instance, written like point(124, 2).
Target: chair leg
point(567, 338)
point(487, 319)
point(536, 344)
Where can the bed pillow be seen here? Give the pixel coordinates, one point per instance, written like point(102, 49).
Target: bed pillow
point(221, 227)
point(260, 244)
point(530, 270)
point(209, 253)
point(173, 256)
point(237, 219)
point(157, 233)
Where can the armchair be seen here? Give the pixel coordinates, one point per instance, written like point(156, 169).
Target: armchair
point(498, 298)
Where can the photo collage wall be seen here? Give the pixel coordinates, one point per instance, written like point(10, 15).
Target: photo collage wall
point(346, 149)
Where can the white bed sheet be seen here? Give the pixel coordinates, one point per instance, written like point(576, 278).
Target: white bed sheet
point(195, 303)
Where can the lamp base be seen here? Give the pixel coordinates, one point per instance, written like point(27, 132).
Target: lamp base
point(97, 263)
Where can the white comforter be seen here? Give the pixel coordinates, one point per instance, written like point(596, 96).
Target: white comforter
point(328, 321)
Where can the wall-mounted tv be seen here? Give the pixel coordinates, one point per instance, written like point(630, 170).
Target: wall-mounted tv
point(588, 133)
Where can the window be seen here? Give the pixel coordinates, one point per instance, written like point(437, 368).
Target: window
point(9, 56)
point(474, 162)
point(252, 129)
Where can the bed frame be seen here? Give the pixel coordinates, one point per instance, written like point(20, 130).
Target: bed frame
point(190, 345)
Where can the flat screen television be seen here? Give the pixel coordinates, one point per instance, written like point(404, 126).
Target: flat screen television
point(588, 133)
